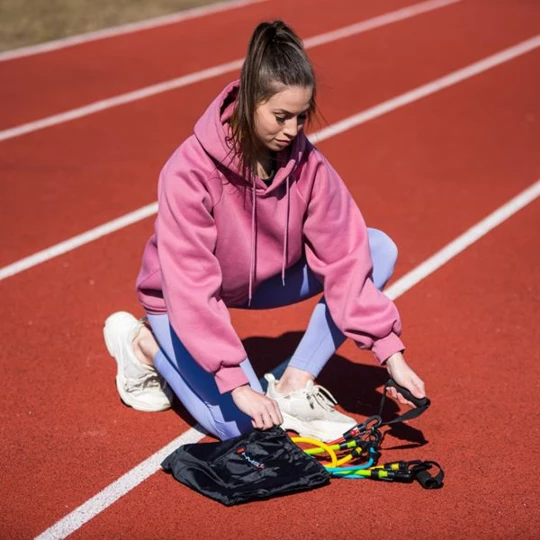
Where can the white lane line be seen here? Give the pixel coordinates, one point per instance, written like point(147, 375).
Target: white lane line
point(128, 28)
point(99, 502)
point(465, 240)
point(79, 240)
point(109, 495)
point(326, 133)
point(215, 71)
point(376, 22)
point(430, 88)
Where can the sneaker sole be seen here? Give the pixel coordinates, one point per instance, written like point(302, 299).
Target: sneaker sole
point(120, 381)
point(293, 424)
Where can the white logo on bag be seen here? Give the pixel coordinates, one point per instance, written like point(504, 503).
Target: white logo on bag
point(242, 453)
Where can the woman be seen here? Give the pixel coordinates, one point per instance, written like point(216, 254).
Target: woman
point(251, 215)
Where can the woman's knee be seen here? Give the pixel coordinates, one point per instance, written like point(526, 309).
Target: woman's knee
point(219, 419)
point(225, 430)
point(384, 253)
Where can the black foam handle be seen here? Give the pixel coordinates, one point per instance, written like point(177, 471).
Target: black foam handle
point(417, 402)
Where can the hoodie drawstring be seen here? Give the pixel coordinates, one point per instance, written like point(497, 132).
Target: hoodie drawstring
point(286, 233)
point(254, 237)
point(253, 240)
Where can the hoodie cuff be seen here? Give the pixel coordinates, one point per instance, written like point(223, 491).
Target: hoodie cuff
point(230, 377)
point(384, 348)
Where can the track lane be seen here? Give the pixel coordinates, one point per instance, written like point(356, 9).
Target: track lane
point(456, 146)
point(469, 326)
point(122, 161)
point(36, 87)
point(87, 284)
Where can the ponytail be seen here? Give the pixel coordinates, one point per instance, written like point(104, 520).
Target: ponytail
point(275, 58)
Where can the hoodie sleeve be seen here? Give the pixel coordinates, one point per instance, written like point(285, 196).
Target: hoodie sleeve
point(337, 251)
point(192, 277)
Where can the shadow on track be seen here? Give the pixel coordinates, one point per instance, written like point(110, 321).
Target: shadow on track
point(357, 387)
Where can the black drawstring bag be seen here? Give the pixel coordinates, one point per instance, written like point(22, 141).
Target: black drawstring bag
point(257, 465)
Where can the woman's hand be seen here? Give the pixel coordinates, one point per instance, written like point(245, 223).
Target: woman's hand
point(264, 412)
point(400, 371)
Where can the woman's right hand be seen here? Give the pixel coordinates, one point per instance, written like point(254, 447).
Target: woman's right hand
point(263, 411)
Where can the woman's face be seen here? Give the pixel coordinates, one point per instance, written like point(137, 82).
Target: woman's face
point(278, 120)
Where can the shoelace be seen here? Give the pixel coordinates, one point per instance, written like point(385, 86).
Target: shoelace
point(322, 396)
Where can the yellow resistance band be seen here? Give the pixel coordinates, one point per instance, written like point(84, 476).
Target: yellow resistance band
point(325, 448)
point(320, 450)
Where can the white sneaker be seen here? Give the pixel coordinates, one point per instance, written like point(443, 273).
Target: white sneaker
point(310, 412)
point(140, 386)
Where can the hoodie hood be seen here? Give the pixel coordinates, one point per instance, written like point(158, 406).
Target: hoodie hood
point(213, 132)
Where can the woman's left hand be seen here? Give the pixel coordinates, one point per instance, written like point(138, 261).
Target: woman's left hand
point(399, 370)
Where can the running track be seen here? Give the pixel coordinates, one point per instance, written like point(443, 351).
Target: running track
point(425, 172)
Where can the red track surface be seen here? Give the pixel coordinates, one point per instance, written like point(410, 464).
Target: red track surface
point(424, 173)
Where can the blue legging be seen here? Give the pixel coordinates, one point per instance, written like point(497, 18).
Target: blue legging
point(197, 389)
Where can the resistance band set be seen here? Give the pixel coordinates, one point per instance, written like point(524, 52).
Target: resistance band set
point(266, 463)
point(356, 454)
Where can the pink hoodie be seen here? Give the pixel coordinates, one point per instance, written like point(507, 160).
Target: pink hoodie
point(217, 238)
